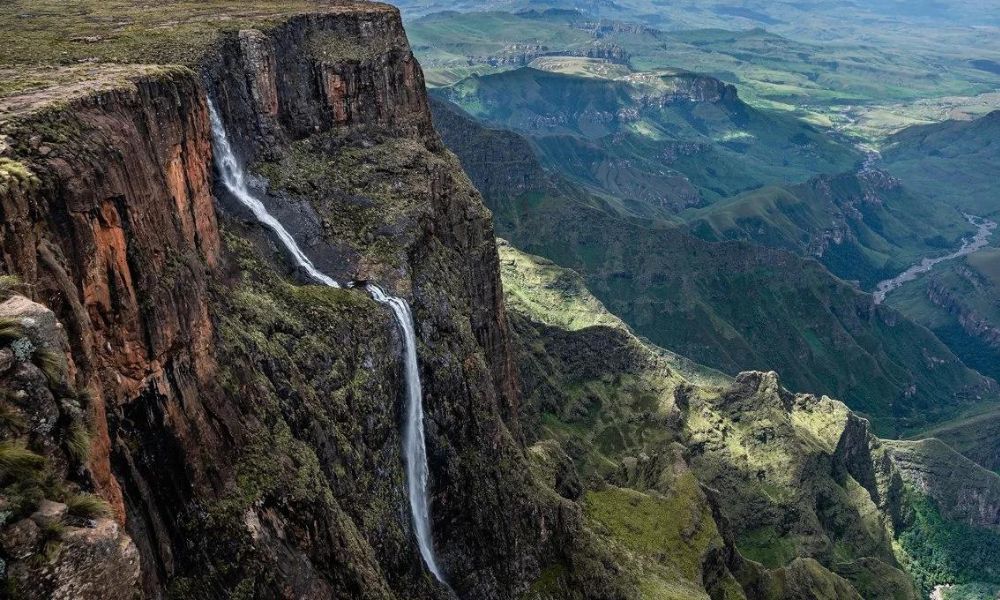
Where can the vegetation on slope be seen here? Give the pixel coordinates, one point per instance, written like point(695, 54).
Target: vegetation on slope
point(730, 306)
point(643, 442)
point(864, 226)
point(674, 476)
point(660, 141)
point(945, 552)
point(954, 162)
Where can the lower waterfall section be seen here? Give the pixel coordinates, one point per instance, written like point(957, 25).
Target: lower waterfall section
point(414, 443)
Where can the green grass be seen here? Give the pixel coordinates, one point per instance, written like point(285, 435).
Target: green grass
point(942, 552)
point(18, 463)
point(667, 534)
point(52, 363)
point(767, 546)
point(87, 506)
point(78, 442)
point(15, 176)
point(168, 32)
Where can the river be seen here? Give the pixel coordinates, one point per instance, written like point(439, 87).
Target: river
point(980, 240)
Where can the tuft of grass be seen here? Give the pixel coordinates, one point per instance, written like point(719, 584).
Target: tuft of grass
point(10, 330)
point(19, 463)
point(88, 506)
point(10, 417)
point(85, 398)
point(15, 175)
point(78, 442)
point(52, 363)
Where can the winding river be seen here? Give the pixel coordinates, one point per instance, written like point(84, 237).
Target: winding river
point(980, 240)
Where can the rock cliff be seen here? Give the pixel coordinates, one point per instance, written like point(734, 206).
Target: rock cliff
point(247, 427)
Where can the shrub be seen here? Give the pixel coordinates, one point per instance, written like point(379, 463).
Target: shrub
point(78, 442)
point(88, 506)
point(51, 363)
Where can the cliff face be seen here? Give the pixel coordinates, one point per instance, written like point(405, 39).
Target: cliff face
point(118, 234)
point(247, 428)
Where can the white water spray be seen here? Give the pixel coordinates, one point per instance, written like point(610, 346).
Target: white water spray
point(414, 444)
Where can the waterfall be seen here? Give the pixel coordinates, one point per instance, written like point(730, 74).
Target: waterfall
point(414, 447)
point(414, 444)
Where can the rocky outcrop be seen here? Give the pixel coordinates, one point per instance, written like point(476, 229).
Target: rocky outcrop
point(56, 541)
point(118, 237)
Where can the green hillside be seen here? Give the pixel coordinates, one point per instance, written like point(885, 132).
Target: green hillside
point(658, 141)
point(674, 468)
point(956, 162)
point(731, 306)
point(864, 226)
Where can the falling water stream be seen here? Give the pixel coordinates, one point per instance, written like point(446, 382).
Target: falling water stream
point(414, 446)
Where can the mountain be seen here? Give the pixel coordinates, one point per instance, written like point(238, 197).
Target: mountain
point(258, 339)
point(703, 486)
point(244, 423)
point(954, 162)
point(869, 73)
point(730, 306)
point(864, 226)
point(656, 142)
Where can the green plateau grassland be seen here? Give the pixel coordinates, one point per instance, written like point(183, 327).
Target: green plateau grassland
point(655, 143)
point(857, 74)
point(49, 43)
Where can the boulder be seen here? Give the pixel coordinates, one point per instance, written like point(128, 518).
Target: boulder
point(40, 324)
point(92, 562)
point(49, 512)
point(21, 539)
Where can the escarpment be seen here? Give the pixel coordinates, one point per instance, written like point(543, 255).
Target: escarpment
point(247, 425)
